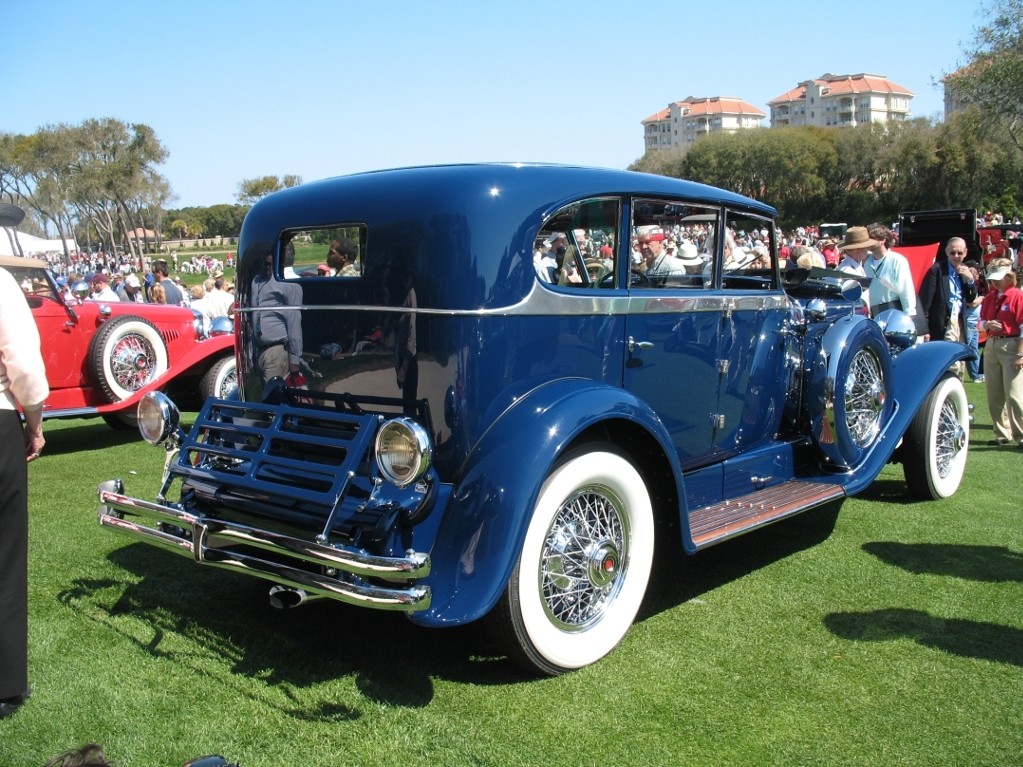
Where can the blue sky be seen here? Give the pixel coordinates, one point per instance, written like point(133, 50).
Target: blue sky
point(320, 88)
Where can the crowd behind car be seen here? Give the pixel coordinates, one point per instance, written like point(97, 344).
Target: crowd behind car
point(105, 277)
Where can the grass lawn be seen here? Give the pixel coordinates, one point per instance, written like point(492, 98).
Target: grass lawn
point(887, 633)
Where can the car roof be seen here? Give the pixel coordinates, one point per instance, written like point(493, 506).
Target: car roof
point(536, 182)
point(16, 261)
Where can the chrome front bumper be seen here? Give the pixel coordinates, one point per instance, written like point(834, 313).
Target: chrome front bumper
point(217, 542)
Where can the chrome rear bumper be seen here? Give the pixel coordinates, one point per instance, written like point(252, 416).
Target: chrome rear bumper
point(229, 545)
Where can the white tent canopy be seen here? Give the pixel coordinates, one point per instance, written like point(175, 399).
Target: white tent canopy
point(31, 245)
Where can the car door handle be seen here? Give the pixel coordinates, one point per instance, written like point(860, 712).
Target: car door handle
point(634, 344)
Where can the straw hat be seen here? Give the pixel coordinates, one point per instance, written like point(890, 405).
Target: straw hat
point(857, 237)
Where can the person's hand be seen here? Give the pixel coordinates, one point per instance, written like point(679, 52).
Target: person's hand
point(34, 442)
point(993, 326)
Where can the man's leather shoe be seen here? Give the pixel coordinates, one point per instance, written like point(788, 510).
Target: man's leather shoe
point(9, 705)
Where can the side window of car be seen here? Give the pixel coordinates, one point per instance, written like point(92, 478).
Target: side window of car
point(673, 244)
point(338, 251)
point(577, 247)
point(749, 253)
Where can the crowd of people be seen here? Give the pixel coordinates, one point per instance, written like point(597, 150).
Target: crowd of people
point(213, 298)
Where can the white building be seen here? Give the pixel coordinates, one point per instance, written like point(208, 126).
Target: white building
point(682, 122)
point(841, 101)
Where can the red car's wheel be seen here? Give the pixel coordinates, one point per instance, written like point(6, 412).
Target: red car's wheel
point(219, 379)
point(126, 354)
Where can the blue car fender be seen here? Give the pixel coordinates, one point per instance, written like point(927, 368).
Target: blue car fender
point(918, 368)
point(479, 539)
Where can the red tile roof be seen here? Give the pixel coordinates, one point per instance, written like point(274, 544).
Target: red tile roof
point(657, 117)
point(708, 106)
point(845, 84)
point(721, 105)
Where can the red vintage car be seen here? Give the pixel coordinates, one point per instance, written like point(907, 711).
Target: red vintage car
point(102, 357)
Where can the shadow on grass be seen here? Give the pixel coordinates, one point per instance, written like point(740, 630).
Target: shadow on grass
point(969, 639)
point(207, 619)
point(86, 435)
point(678, 578)
point(992, 564)
point(889, 490)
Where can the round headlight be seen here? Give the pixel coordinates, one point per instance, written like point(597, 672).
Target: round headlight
point(898, 327)
point(222, 326)
point(403, 451)
point(80, 289)
point(199, 324)
point(158, 417)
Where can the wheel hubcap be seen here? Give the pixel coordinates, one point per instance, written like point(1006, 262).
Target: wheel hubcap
point(603, 564)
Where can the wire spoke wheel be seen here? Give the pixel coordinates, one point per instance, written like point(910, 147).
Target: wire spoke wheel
point(133, 362)
point(865, 397)
point(126, 354)
point(582, 557)
point(950, 439)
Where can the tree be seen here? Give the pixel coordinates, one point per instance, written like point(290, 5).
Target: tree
point(224, 220)
point(97, 178)
point(115, 181)
point(179, 228)
point(992, 81)
point(251, 190)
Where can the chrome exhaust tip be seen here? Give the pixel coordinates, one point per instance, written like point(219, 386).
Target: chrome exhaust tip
point(285, 597)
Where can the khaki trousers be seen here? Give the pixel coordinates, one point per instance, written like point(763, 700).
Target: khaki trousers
point(954, 333)
point(1004, 386)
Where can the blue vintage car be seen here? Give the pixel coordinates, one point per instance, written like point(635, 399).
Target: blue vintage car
point(472, 392)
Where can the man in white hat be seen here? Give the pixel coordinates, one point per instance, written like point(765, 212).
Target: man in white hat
point(545, 258)
point(130, 290)
point(1001, 316)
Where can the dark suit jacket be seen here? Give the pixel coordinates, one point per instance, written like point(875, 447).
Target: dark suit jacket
point(934, 300)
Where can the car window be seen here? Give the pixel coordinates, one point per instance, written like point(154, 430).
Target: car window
point(749, 254)
point(673, 244)
point(576, 248)
point(336, 252)
point(33, 281)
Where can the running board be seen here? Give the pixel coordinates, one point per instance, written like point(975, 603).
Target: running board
point(717, 523)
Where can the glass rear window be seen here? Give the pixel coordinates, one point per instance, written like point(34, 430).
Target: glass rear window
point(335, 252)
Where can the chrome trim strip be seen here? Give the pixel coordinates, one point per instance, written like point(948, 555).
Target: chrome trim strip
point(541, 301)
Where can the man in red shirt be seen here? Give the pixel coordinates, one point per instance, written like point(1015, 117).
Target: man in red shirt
point(1001, 316)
